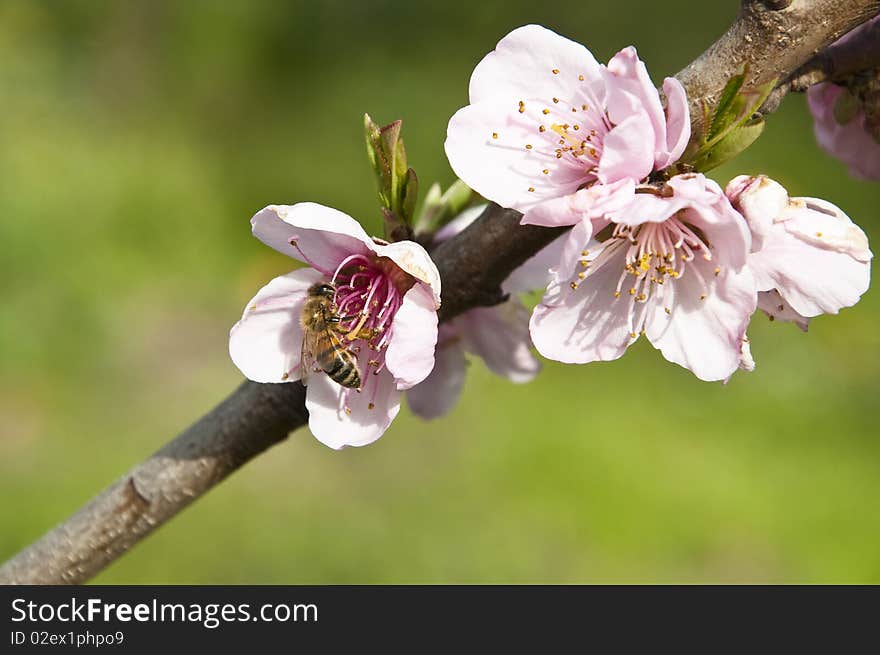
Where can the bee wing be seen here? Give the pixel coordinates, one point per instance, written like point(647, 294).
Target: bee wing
point(307, 356)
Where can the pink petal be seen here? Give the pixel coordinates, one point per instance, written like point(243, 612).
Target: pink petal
point(523, 62)
point(812, 279)
point(628, 150)
point(704, 334)
point(760, 200)
point(500, 336)
point(501, 168)
point(824, 225)
point(336, 428)
point(586, 324)
point(410, 354)
point(415, 260)
point(535, 273)
point(678, 124)
point(266, 343)
point(595, 202)
point(436, 394)
point(772, 304)
point(460, 222)
point(324, 236)
point(571, 253)
point(850, 142)
point(631, 94)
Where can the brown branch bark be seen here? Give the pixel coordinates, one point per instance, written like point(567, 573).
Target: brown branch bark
point(773, 38)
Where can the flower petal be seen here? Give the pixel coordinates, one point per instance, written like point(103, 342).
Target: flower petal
point(486, 147)
point(760, 200)
point(324, 236)
point(333, 426)
point(774, 305)
point(586, 324)
point(595, 202)
point(812, 279)
point(628, 150)
point(535, 273)
point(412, 258)
point(460, 222)
point(632, 94)
point(410, 354)
point(678, 124)
point(436, 394)
point(500, 336)
point(266, 343)
point(707, 320)
point(523, 64)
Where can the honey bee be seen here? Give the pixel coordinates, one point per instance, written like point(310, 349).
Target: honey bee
point(323, 340)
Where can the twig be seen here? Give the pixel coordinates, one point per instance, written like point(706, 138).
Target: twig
point(774, 43)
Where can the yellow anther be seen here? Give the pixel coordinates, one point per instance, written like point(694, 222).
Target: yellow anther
point(494, 135)
point(555, 71)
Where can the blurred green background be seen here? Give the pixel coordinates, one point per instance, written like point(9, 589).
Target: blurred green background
point(136, 141)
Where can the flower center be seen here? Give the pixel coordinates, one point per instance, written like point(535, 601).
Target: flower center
point(368, 295)
point(651, 255)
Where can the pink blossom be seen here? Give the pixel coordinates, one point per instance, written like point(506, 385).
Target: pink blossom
point(391, 291)
point(809, 257)
point(669, 265)
point(499, 335)
point(558, 136)
point(841, 132)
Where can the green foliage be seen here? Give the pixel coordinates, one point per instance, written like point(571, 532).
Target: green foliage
point(398, 184)
point(733, 126)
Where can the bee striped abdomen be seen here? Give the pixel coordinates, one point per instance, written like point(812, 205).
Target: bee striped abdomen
point(339, 364)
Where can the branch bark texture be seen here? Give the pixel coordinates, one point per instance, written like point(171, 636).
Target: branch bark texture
point(773, 38)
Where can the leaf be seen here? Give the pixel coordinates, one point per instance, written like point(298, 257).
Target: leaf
point(733, 143)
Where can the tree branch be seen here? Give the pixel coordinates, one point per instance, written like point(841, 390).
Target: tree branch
point(472, 265)
point(772, 40)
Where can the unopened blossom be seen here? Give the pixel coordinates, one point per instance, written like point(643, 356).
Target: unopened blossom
point(670, 265)
point(808, 257)
point(839, 121)
point(499, 335)
point(386, 296)
point(554, 134)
